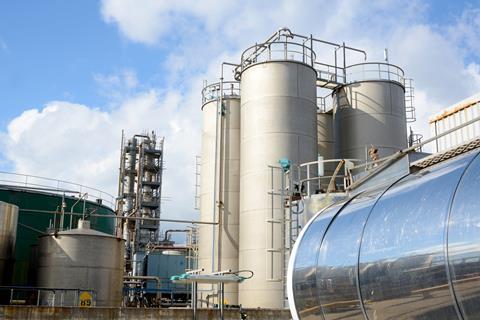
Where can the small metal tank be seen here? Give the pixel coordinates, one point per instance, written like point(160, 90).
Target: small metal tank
point(8, 233)
point(370, 111)
point(408, 249)
point(82, 259)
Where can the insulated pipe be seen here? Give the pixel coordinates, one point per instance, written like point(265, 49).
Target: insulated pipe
point(113, 216)
point(173, 230)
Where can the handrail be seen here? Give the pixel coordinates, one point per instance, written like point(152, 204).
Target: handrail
point(212, 91)
point(306, 177)
point(56, 186)
point(43, 296)
point(374, 71)
point(280, 50)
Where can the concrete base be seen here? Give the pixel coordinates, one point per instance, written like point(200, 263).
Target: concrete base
point(60, 313)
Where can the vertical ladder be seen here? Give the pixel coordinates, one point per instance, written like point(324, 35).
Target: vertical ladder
point(292, 225)
point(409, 100)
point(198, 167)
point(276, 195)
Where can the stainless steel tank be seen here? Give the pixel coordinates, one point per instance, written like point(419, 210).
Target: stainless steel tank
point(218, 247)
point(82, 259)
point(278, 120)
point(407, 250)
point(370, 111)
point(8, 234)
point(325, 135)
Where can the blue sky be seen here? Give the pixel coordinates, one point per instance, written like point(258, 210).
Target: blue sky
point(74, 73)
point(53, 49)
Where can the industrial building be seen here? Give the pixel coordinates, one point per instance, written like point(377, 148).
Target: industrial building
point(316, 202)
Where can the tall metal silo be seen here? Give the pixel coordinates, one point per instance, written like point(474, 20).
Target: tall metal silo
point(82, 259)
point(325, 134)
point(278, 121)
point(8, 234)
point(369, 110)
point(220, 183)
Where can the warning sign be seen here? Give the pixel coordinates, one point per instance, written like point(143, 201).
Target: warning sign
point(86, 299)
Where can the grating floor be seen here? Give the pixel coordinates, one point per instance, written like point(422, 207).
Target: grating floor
point(448, 154)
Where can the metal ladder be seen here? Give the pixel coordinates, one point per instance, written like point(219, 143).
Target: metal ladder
point(271, 221)
point(409, 100)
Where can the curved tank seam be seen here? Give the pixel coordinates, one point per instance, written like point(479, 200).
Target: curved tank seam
point(296, 245)
point(359, 291)
point(451, 288)
point(321, 242)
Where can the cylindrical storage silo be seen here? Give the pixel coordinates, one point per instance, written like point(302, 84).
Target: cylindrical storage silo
point(278, 121)
point(82, 259)
point(218, 246)
point(369, 113)
point(406, 250)
point(8, 234)
point(325, 135)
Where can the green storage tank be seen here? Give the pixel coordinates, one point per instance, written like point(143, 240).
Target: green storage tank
point(36, 207)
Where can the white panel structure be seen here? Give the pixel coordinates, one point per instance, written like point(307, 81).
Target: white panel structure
point(452, 117)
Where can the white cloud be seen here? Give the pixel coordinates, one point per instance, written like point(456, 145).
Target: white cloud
point(117, 86)
point(81, 144)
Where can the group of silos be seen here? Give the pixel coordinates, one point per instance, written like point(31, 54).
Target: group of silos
point(270, 113)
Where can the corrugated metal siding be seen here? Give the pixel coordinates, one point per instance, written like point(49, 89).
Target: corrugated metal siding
point(460, 136)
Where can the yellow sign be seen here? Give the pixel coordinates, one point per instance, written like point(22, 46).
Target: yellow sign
point(86, 299)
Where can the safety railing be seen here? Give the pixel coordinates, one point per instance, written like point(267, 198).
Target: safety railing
point(374, 71)
point(213, 91)
point(329, 73)
point(323, 103)
point(323, 176)
point(280, 50)
point(52, 297)
point(56, 186)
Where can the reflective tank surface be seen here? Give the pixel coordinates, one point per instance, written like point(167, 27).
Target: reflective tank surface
point(8, 233)
point(225, 244)
point(82, 259)
point(325, 135)
point(407, 250)
point(278, 121)
point(369, 113)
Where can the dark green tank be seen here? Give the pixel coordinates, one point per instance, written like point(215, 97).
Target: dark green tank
point(34, 220)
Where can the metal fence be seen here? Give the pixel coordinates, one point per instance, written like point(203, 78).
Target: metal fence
point(56, 186)
point(213, 91)
point(52, 297)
